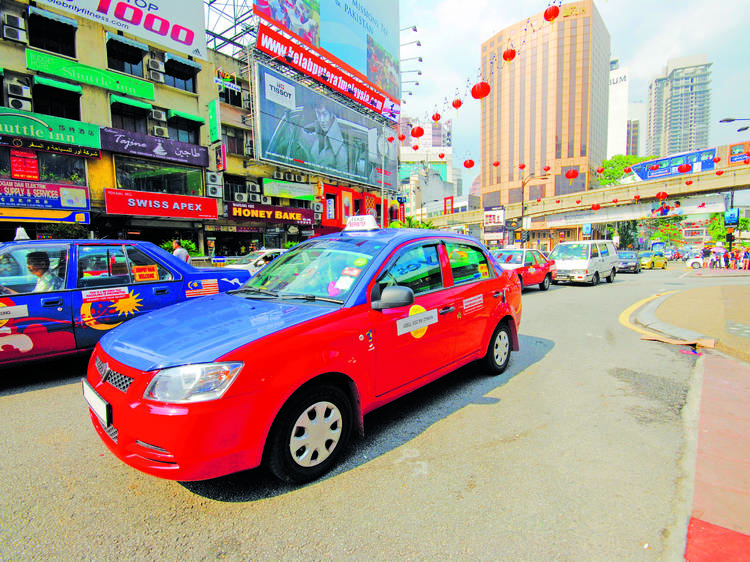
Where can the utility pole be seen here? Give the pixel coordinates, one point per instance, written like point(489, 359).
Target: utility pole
point(524, 181)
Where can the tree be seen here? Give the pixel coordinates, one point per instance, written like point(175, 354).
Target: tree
point(411, 222)
point(613, 168)
point(189, 245)
point(718, 232)
point(61, 231)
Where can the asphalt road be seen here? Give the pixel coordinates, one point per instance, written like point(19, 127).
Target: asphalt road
point(579, 451)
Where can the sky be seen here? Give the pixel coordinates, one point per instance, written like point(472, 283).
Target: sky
point(643, 35)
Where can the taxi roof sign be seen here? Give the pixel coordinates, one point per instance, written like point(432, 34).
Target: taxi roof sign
point(361, 222)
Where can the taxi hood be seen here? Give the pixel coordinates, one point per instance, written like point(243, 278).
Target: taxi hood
point(202, 330)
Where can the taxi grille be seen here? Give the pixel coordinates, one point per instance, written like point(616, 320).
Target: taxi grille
point(118, 380)
point(112, 432)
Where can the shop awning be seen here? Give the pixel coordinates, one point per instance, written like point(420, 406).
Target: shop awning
point(169, 57)
point(132, 103)
point(41, 81)
point(172, 113)
point(127, 42)
point(34, 11)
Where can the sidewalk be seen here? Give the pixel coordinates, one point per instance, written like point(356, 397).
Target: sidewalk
point(719, 528)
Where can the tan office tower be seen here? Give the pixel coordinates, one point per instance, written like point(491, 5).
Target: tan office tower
point(547, 107)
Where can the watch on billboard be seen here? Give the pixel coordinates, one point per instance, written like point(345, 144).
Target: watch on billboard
point(303, 129)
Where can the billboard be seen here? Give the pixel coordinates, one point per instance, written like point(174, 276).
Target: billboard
point(303, 129)
point(361, 34)
point(178, 26)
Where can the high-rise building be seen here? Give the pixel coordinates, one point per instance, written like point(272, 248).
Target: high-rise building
point(617, 122)
point(679, 106)
point(637, 121)
point(547, 107)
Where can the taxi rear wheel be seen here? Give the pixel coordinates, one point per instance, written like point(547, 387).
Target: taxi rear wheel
point(595, 279)
point(498, 353)
point(309, 434)
point(544, 285)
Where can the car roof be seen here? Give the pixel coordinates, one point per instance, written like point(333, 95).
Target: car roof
point(75, 241)
point(396, 236)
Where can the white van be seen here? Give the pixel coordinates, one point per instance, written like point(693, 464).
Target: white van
point(586, 261)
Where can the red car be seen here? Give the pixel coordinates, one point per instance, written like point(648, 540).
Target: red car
point(282, 370)
point(532, 267)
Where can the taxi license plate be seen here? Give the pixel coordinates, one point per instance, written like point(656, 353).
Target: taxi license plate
point(98, 405)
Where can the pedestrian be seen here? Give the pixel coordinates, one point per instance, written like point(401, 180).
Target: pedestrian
point(746, 259)
point(180, 252)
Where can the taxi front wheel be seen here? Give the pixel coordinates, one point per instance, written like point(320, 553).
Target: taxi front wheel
point(498, 353)
point(309, 434)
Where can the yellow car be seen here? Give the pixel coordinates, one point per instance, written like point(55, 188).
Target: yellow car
point(652, 260)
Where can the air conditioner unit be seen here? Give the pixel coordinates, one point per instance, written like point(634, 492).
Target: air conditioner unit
point(254, 197)
point(156, 65)
point(215, 178)
point(159, 115)
point(160, 132)
point(317, 207)
point(265, 200)
point(19, 103)
point(318, 216)
point(253, 187)
point(299, 178)
point(288, 176)
point(278, 175)
point(13, 34)
point(13, 20)
point(155, 76)
point(213, 190)
point(240, 197)
point(18, 90)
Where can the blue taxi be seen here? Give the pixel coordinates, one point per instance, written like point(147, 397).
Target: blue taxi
point(282, 370)
point(60, 296)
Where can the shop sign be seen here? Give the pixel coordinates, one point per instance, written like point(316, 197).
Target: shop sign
point(24, 164)
point(44, 129)
point(214, 121)
point(38, 195)
point(293, 230)
point(43, 146)
point(232, 228)
point(127, 142)
point(268, 213)
point(44, 215)
point(288, 190)
point(66, 68)
point(307, 232)
point(148, 204)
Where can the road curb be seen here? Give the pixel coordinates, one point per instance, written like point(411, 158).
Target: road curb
point(646, 317)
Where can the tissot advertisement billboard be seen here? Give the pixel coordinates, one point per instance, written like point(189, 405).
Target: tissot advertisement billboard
point(179, 26)
point(363, 34)
point(303, 129)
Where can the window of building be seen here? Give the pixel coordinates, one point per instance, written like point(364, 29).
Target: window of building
point(233, 139)
point(160, 177)
point(180, 73)
point(124, 58)
point(183, 130)
point(60, 168)
point(129, 118)
point(230, 96)
point(232, 186)
point(57, 102)
point(51, 32)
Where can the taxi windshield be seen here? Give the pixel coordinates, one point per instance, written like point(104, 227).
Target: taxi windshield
point(645, 254)
point(251, 257)
point(570, 252)
point(324, 270)
point(509, 256)
point(626, 255)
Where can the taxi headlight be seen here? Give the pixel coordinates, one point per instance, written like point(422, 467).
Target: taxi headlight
point(193, 383)
point(579, 272)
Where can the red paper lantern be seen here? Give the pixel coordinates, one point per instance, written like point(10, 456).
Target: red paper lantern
point(600, 170)
point(436, 117)
point(401, 136)
point(717, 159)
point(746, 161)
point(547, 168)
point(596, 207)
point(627, 170)
point(417, 132)
point(521, 166)
point(496, 163)
point(539, 200)
point(551, 13)
point(615, 200)
point(719, 172)
point(480, 90)
point(662, 195)
point(684, 168)
point(689, 182)
point(636, 197)
point(571, 175)
point(557, 201)
point(469, 163)
point(701, 206)
point(441, 155)
point(457, 103)
point(509, 55)
point(415, 147)
point(391, 139)
point(578, 201)
point(653, 167)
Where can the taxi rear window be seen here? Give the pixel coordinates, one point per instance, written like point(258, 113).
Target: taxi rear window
point(468, 263)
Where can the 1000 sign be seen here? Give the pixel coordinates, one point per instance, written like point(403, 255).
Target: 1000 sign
point(134, 15)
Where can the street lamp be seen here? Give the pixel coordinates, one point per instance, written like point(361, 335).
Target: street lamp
point(733, 119)
point(410, 82)
point(524, 181)
point(419, 72)
point(418, 42)
point(412, 27)
point(418, 59)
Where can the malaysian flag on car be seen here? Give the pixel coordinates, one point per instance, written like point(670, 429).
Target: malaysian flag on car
point(201, 288)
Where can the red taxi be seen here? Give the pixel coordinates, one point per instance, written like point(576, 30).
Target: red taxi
point(530, 265)
point(282, 370)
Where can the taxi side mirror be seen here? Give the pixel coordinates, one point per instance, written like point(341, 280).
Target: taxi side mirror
point(394, 297)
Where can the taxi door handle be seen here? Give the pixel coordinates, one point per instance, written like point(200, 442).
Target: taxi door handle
point(498, 294)
point(161, 291)
point(447, 309)
point(52, 302)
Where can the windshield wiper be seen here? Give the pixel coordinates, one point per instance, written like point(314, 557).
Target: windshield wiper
point(311, 298)
point(258, 290)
